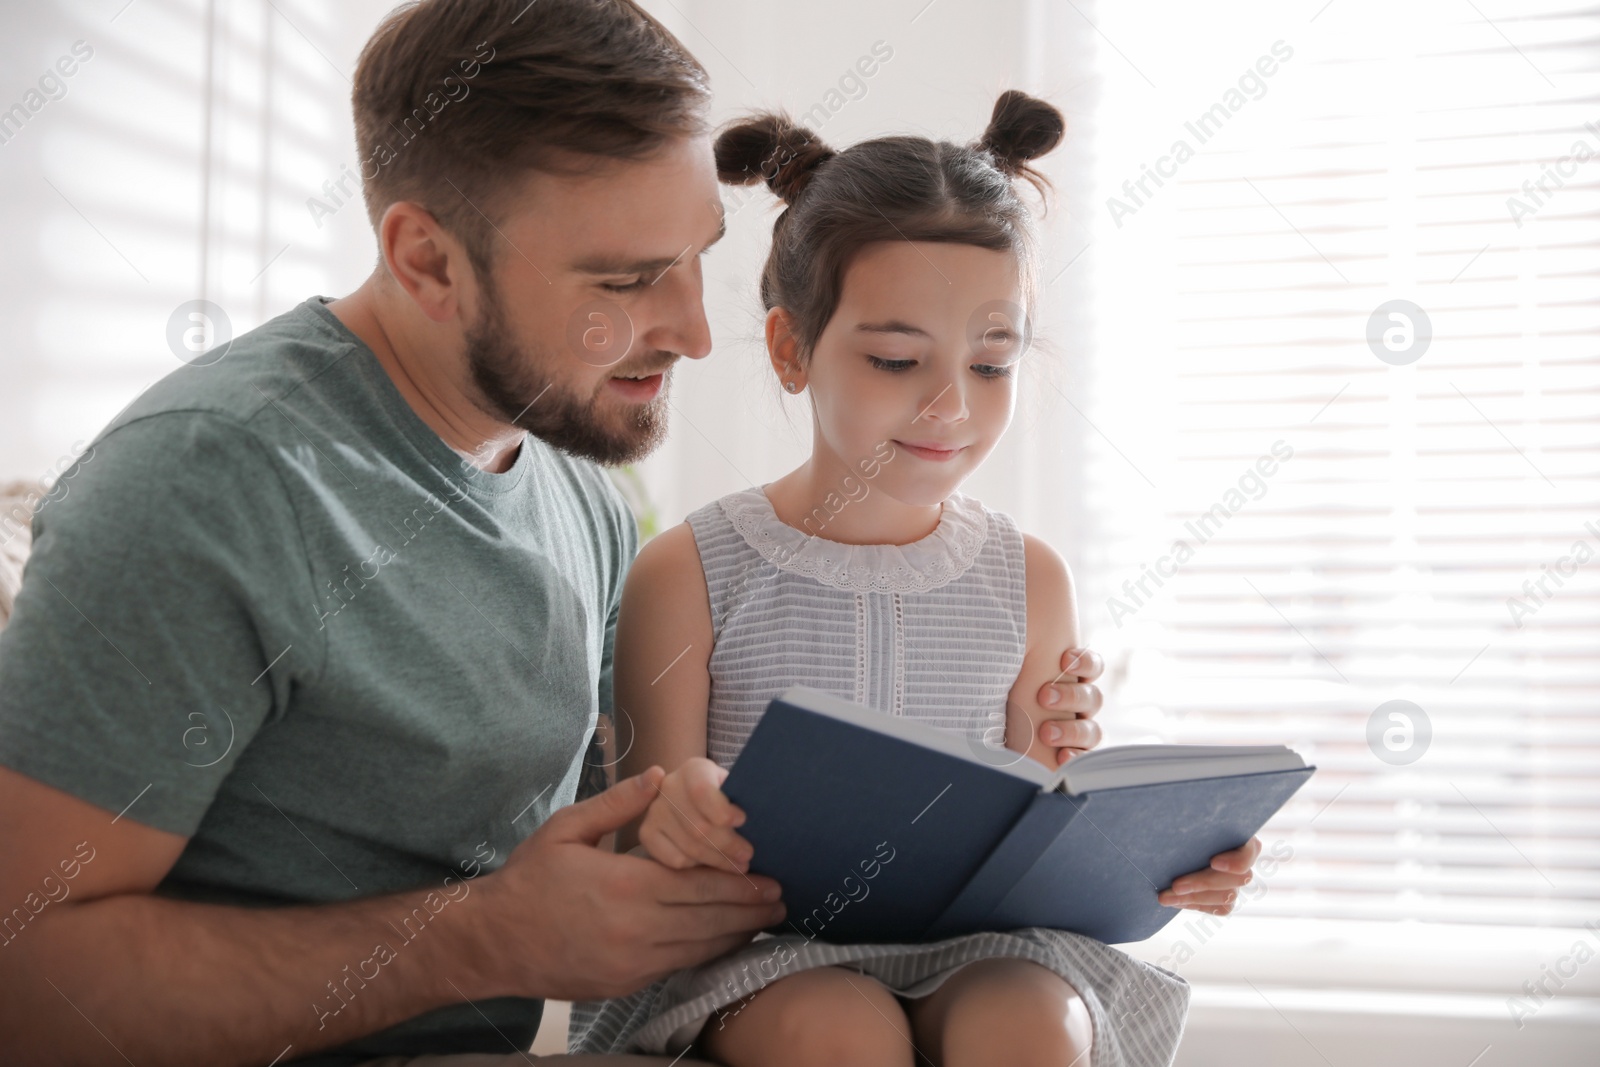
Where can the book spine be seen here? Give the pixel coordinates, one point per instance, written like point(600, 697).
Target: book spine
point(1044, 820)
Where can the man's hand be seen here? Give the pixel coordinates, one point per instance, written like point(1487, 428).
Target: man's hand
point(1214, 889)
point(690, 824)
point(564, 919)
point(1068, 704)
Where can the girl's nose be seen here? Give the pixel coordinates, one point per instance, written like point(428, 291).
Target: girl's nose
point(948, 404)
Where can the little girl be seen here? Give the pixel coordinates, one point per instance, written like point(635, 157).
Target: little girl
point(895, 291)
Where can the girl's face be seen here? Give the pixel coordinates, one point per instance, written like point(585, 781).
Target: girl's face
point(917, 368)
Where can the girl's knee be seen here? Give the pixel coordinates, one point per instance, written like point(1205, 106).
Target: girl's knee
point(1019, 1011)
point(845, 1018)
point(827, 1017)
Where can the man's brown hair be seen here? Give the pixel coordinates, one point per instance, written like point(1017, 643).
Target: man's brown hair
point(456, 101)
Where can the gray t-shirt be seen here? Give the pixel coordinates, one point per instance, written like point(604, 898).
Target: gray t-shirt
point(276, 613)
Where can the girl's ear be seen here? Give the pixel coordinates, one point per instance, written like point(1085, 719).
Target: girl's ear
point(783, 350)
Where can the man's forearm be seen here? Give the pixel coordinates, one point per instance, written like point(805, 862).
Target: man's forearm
point(149, 979)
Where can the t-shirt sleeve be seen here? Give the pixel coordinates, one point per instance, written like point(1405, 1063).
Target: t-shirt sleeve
point(165, 615)
point(607, 654)
point(597, 774)
point(625, 547)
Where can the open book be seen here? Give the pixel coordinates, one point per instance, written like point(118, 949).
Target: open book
point(885, 829)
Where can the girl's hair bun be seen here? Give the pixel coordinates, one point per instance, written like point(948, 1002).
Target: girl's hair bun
point(1022, 127)
point(769, 147)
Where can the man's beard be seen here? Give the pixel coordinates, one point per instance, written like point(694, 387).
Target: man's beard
point(511, 382)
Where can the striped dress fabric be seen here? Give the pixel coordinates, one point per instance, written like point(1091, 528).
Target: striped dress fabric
point(934, 630)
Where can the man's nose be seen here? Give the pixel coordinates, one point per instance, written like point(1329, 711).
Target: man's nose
point(685, 329)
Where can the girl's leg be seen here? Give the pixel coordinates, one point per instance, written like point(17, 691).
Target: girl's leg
point(826, 1017)
point(1009, 1011)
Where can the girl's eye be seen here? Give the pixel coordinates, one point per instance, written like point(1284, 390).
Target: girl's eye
point(985, 370)
point(890, 364)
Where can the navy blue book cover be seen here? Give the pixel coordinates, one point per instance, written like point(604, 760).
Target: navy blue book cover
point(895, 831)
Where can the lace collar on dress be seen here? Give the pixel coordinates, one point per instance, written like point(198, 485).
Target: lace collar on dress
point(937, 559)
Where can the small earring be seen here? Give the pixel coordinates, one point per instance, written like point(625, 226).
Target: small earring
point(793, 387)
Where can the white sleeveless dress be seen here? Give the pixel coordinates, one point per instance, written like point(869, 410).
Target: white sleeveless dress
point(934, 630)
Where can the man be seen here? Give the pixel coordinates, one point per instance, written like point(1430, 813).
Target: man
point(295, 697)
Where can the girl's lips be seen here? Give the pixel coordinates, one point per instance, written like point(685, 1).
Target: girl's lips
point(937, 455)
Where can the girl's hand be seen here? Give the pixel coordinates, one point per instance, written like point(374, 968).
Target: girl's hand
point(1216, 888)
point(1069, 703)
point(690, 823)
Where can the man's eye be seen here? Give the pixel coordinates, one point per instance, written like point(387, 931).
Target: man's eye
point(638, 283)
point(890, 364)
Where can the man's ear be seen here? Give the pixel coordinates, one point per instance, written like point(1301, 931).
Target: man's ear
point(782, 348)
point(429, 264)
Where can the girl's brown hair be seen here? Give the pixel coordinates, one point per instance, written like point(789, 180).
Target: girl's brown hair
point(890, 188)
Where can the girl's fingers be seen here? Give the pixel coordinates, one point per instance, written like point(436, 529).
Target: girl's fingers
point(730, 848)
point(663, 850)
point(1204, 898)
point(712, 803)
point(1236, 871)
point(1083, 699)
point(1210, 893)
point(688, 806)
point(1070, 733)
point(1212, 879)
point(1084, 663)
point(712, 846)
point(698, 818)
point(1240, 859)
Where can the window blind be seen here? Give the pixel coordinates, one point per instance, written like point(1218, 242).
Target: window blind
point(1305, 533)
point(174, 165)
